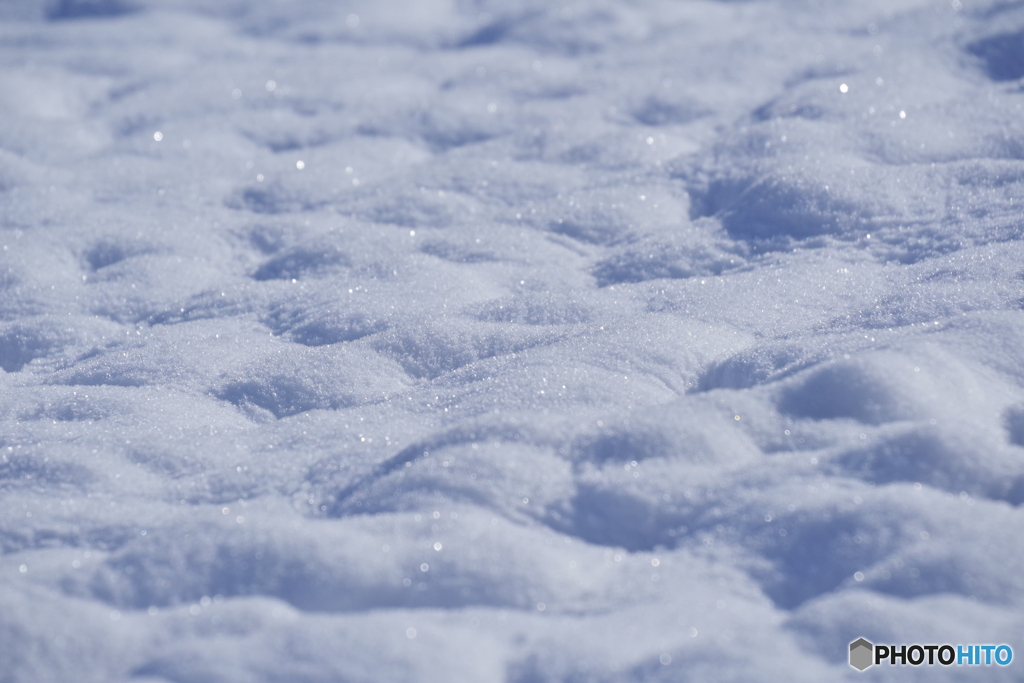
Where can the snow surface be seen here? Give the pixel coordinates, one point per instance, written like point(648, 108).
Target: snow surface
point(466, 340)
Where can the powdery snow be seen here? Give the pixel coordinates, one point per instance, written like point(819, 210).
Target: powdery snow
point(467, 340)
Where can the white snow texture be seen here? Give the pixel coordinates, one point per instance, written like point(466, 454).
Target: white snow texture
point(520, 341)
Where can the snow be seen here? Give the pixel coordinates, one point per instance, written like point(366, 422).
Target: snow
point(520, 341)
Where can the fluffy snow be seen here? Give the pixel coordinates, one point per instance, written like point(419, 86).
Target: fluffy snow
point(466, 340)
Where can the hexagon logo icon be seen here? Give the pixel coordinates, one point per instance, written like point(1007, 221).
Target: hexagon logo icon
point(861, 654)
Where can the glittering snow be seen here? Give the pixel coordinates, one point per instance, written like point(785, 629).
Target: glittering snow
point(466, 340)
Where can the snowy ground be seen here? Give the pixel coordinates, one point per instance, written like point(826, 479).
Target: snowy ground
point(468, 340)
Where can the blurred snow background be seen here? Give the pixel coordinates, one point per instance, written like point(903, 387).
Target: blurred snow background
point(465, 340)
